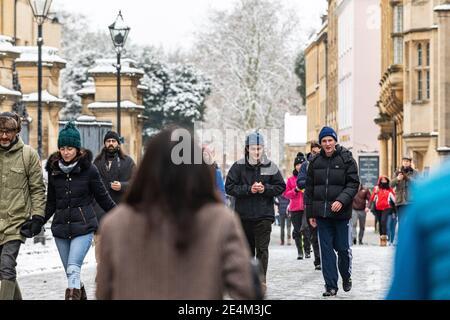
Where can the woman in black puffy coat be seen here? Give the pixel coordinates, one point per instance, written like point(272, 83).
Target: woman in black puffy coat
point(73, 184)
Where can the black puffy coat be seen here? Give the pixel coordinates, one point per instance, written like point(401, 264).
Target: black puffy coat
point(331, 179)
point(238, 184)
point(70, 197)
point(121, 170)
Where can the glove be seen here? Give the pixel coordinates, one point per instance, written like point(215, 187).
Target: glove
point(36, 224)
point(25, 230)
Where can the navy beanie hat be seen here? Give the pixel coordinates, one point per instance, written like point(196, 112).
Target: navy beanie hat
point(327, 132)
point(299, 159)
point(112, 135)
point(254, 138)
point(69, 136)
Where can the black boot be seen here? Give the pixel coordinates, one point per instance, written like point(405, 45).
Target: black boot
point(298, 244)
point(83, 293)
point(330, 293)
point(347, 285)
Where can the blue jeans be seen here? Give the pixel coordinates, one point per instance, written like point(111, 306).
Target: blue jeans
point(335, 235)
point(72, 253)
point(391, 225)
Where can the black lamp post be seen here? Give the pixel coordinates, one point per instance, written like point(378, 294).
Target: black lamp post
point(119, 33)
point(40, 10)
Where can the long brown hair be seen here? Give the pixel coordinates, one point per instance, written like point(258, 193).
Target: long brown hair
point(178, 190)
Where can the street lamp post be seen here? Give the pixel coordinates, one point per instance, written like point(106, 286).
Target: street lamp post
point(40, 10)
point(119, 33)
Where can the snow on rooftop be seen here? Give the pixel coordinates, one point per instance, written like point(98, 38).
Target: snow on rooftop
point(128, 66)
point(86, 91)
point(442, 7)
point(143, 87)
point(295, 129)
point(46, 97)
point(7, 92)
point(6, 45)
point(86, 118)
point(109, 105)
point(49, 55)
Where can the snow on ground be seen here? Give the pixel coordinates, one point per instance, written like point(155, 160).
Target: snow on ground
point(41, 276)
point(38, 258)
point(291, 279)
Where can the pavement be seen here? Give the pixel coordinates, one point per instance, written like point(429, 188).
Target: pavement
point(287, 277)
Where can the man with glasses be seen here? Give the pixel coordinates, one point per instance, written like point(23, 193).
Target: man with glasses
point(22, 194)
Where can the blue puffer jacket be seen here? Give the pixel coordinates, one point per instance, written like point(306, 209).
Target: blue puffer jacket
point(422, 261)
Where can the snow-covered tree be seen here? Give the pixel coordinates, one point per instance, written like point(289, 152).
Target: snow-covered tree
point(80, 48)
point(177, 92)
point(249, 54)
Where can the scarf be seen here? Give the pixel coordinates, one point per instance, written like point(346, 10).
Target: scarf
point(67, 168)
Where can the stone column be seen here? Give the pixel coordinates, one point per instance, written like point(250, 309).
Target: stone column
point(443, 13)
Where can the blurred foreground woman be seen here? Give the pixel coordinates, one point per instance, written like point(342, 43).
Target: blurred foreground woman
point(172, 238)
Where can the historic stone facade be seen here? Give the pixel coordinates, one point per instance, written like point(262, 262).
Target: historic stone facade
point(99, 99)
point(316, 83)
point(414, 97)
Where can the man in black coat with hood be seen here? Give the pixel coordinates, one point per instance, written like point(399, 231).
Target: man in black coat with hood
point(331, 184)
point(254, 182)
point(116, 170)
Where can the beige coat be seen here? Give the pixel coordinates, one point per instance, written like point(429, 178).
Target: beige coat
point(136, 263)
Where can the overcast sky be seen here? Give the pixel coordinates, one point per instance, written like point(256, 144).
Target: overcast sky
point(171, 23)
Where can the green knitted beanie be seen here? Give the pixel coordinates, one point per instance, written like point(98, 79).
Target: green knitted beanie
point(69, 136)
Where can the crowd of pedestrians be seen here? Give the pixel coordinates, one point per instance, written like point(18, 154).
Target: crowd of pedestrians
point(174, 219)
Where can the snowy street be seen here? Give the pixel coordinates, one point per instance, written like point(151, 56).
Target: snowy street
point(41, 277)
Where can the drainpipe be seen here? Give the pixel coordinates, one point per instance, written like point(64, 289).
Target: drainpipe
point(394, 147)
point(15, 22)
point(326, 80)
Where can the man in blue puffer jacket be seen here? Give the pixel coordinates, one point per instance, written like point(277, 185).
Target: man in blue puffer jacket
point(422, 259)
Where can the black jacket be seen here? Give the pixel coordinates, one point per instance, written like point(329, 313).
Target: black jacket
point(121, 170)
point(238, 184)
point(283, 204)
point(331, 179)
point(70, 197)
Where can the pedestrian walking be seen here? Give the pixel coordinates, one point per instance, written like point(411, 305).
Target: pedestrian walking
point(22, 196)
point(209, 155)
point(360, 208)
point(402, 182)
point(384, 198)
point(116, 169)
point(172, 237)
point(331, 185)
point(421, 269)
point(254, 181)
point(301, 184)
point(297, 209)
point(285, 220)
point(73, 183)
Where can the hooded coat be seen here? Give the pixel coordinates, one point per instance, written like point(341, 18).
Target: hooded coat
point(22, 190)
point(384, 197)
point(70, 197)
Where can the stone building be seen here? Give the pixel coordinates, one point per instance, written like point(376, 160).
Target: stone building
point(99, 101)
point(414, 116)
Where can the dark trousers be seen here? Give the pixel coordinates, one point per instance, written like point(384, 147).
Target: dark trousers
point(315, 244)
point(335, 235)
point(301, 233)
point(8, 256)
point(285, 222)
point(383, 223)
point(258, 237)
